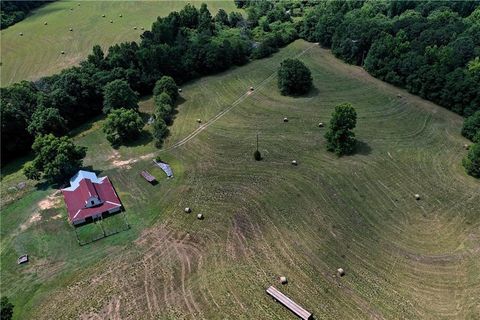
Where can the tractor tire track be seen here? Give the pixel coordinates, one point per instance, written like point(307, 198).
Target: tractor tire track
point(242, 98)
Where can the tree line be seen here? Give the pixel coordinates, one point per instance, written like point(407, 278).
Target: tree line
point(471, 131)
point(184, 45)
point(431, 48)
point(12, 12)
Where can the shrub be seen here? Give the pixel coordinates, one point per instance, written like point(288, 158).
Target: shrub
point(6, 309)
point(471, 162)
point(257, 155)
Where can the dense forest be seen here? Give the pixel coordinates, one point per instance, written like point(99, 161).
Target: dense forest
point(184, 45)
point(430, 47)
point(13, 11)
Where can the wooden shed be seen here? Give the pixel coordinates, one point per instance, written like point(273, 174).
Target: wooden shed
point(148, 176)
point(289, 303)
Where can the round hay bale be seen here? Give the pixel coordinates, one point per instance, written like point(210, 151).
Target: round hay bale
point(111, 21)
point(294, 162)
point(321, 125)
point(62, 52)
point(20, 34)
point(179, 90)
point(103, 16)
point(120, 15)
point(340, 272)
point(285, 119)
point(399, 95)
point(45, 23)
point(466, 146)
point(141, 28)
point(134, 28)
point(251, 89)
point(199, 120)
point(71, 29)
point(283, 280)
point(417, 196)
point(79, 4)
point(188, 210)
point(200, 216)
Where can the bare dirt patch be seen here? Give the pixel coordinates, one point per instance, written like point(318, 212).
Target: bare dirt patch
point(127, 164)
point(52, 201)
point(34, 218)
point(146, 282)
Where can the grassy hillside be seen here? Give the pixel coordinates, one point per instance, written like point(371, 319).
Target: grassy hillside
point(403, 258)
point(38, 52)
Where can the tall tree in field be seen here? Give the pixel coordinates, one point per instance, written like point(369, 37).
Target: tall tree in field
point(56, 159)
point(122, 125)
point(294, 78)
point(340, 137)
point(118, 94)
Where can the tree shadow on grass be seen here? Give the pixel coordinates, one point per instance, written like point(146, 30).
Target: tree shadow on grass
point(90, 168)
point(313, 92)
point(143, 139)
point(44, 185)
point(362, 148)
point(173, 116)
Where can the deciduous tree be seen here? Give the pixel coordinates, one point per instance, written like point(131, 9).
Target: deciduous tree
point(340, 137)
point(122, 125)
point(47, 120)
point(56, 159)
point(118, 94)
point(294, 78)
point(166, 84)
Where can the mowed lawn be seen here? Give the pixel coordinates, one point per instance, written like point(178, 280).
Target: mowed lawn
point(403, 258)
point(38, 52)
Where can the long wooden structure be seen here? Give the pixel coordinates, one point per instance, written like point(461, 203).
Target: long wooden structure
point(147, 176)
point(289, 304)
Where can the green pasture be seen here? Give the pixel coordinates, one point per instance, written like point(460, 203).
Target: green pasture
point(38, 52)
point(404, 259)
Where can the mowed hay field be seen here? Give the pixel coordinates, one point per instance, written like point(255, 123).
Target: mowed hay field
point(38, 52)
point(404, 259)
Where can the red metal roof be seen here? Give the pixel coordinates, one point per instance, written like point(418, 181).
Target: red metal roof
point(77, 199)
